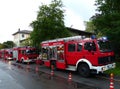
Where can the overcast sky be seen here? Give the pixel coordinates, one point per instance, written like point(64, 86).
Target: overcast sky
point(15, 14)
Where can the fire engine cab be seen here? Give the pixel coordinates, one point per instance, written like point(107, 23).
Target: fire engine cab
point(25, 54)
point(85, 55)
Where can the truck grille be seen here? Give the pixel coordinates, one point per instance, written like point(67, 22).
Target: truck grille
point(106, 60)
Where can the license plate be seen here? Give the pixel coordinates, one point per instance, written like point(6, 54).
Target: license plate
point(109, 66)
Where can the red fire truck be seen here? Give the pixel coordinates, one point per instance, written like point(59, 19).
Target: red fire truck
point(25, 54)
point(6, 54)
point(85, 55)
point(1, 53)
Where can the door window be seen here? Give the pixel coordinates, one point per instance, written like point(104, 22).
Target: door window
point(71, 47)
point(79, 47)
point(90, 46)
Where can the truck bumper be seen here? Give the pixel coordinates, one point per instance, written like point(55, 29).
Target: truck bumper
point(30, 60)
point(10, 58)
point(103, 68)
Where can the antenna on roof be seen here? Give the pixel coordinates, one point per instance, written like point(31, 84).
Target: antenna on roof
point(71, 26)
point(18, 29)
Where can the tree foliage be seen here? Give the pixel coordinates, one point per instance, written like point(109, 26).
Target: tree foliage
point(89, 26)
point(49, 23)
point(8, 44)
point(26, 42)
point(1, 46)
point(107, 20)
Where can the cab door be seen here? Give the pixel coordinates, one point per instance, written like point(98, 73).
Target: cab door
point(73, 52)
point(90, 52)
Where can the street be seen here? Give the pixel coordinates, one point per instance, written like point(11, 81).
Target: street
point(31, 76)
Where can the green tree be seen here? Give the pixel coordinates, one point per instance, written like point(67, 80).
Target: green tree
point(89, 26)
point(1, 46)
point(26, 42)
point(8, 44)
point(49, 23)
point(107, 21)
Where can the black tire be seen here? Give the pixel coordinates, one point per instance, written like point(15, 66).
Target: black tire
point(17, 61)
point(84, 70)
point(22, 61)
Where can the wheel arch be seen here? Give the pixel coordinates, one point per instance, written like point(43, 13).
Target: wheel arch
point(22, 59)
point(83, 61)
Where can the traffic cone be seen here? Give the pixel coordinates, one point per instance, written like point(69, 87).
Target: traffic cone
point(111, 81)
point(52, 67)
point(70, 77)
point(36, 68)
point(52, 70)
point(28, 66)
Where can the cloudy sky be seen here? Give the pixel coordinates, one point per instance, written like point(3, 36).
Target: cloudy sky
point(15, 14)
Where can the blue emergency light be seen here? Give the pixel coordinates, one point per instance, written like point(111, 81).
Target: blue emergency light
point(93, 37)
point(104, 38)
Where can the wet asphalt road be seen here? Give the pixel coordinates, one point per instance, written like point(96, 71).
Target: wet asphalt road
point(15, 76)
point(23, 76)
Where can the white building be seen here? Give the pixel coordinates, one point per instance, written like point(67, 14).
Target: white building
point(20, 36)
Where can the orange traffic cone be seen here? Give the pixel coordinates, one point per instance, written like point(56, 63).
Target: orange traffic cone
point(111, 81)
point(52, 72)
point(52, 67)
point(70, 77)
point(36, 68)
point(28, 66)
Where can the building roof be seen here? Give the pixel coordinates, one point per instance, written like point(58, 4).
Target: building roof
point(22, 31)
point(76, 31)
point(79, 32)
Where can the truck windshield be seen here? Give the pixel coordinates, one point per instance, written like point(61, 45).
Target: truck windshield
point(10, 52)
point(104, 46)
point(31, 51)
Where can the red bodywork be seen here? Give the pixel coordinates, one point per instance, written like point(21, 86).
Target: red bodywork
point(25, 54)
point(6, 54)
point(0, 53)
point(64, 53)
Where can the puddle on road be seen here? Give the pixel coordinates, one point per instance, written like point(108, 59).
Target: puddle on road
point(52, 79)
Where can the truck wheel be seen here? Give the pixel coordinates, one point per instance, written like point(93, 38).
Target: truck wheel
point(17, 61)
point(22, 61)
point(84, 70)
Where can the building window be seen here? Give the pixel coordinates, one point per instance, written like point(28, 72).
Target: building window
point(22, 35)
